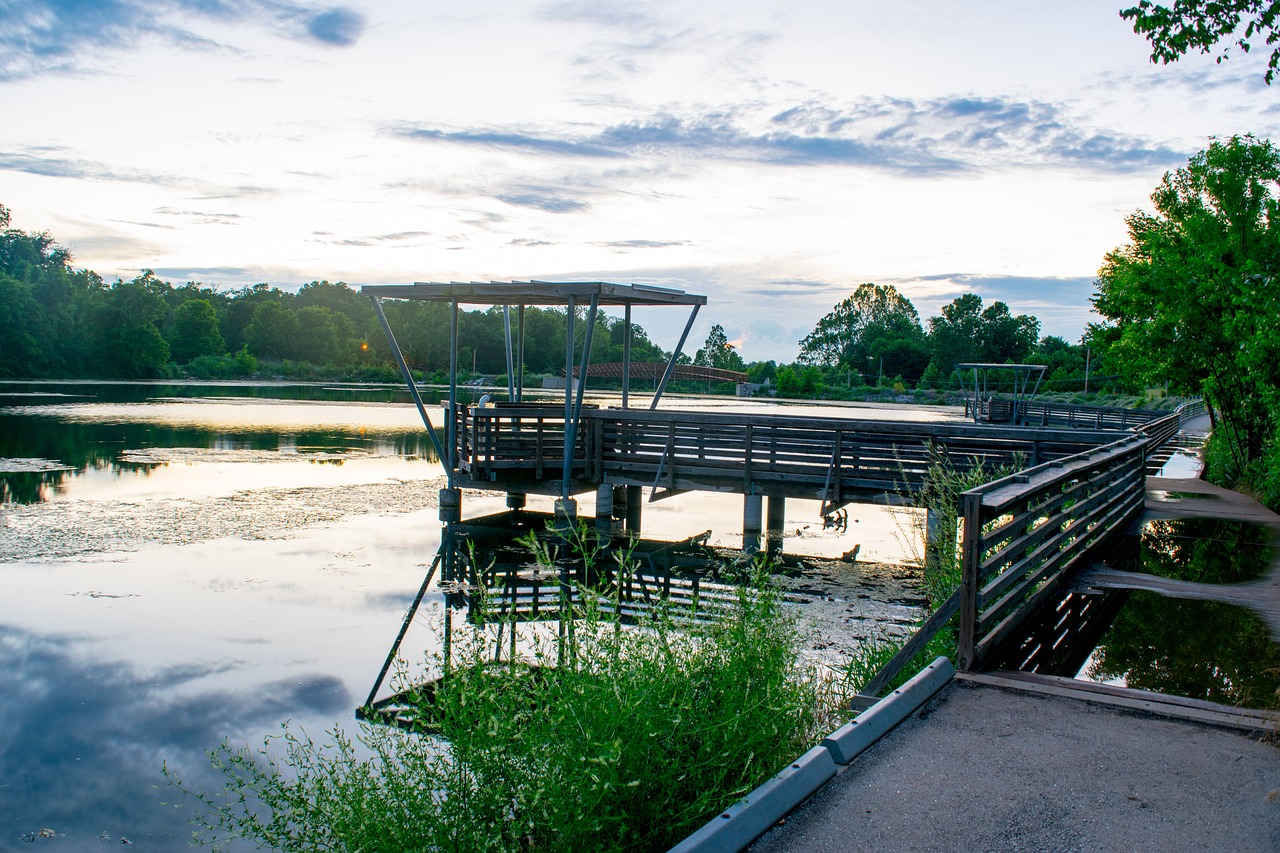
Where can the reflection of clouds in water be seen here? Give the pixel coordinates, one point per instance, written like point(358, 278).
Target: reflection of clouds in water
point(83, 742)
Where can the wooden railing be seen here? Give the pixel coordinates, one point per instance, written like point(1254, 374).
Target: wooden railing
point(1045, 414)
point(1022, 533)
point(829, 459)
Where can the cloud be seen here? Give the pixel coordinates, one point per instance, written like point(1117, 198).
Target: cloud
point(398, 239)
point(543, 199)
point(627, 17)
point(920, 138)
point(56, 162)
point(340, 27)
point(624, 245)
point(40, 162)
point(57, 36)
point(504, 140)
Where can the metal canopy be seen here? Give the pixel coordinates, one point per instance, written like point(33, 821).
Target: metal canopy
point(1022, 374)
point(534, 293)
point(522, 294)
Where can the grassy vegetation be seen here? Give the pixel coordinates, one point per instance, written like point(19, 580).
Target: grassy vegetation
point(640, 735)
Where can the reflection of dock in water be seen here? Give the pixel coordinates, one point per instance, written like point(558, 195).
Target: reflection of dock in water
point(522, 571)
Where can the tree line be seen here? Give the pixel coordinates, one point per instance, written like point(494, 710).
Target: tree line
point(60, 322)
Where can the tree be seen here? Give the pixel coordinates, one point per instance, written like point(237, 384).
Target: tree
point(1193, 298)
point(129, 342)
point(718, 352)
point(193, 331)
point(1200, 24)
point(875, 324)
point(968, 333)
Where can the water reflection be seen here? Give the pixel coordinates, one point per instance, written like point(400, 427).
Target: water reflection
point(1197, 645)
point(1203, 550)
point(95, 732)
point(85, 444)
point(511, 581)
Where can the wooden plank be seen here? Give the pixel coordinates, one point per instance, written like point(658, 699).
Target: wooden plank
point(1174, 707)
point(918, 641)
point(970, 558)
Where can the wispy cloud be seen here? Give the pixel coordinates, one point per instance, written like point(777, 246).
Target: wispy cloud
point(51, 36)
point(398, 239)
point(547, 200)
point(627, 245)
point(936, 136)
point(51, 163)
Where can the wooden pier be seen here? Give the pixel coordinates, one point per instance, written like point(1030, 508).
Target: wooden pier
point(520, 448)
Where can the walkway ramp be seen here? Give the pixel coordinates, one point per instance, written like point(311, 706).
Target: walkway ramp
point(984, 767)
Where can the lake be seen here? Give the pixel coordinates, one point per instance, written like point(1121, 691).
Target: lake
point(187, 564)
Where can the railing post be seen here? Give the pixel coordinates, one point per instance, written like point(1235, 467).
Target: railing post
point(971, 558)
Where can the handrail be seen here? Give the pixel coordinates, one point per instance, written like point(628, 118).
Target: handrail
point(1022, 533)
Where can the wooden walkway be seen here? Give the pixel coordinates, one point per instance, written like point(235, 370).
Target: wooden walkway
point(520, 448)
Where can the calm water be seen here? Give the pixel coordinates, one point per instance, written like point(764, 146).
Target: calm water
point(184, 564)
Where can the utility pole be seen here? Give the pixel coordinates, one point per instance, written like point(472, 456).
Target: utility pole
point(1088, 354)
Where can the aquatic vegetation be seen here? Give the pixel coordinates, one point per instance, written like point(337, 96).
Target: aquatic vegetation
point(629, 741)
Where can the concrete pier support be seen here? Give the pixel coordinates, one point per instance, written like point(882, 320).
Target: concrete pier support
point(516, 500)
point(635, 502)
point(752, 518)
point(937, 535)
point(566, 511)
point(775, 519)
point(611, 507)
point(450, 505)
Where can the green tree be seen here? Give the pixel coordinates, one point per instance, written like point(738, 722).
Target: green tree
point(273, 331)
point(966, 332)
point(193, 331)
point(718, 352)
point(124, 326)
point(1199, 25)
point(876, 330)
point(323, 336)
point(1193, 298)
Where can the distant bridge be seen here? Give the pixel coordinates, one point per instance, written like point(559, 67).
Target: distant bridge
point(653, 370)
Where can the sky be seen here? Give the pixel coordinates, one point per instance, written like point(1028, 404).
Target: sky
point(771, 156)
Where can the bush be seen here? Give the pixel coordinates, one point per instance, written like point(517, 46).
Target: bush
point(630, 740)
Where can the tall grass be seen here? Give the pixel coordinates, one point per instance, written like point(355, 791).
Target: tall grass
point(637, 737)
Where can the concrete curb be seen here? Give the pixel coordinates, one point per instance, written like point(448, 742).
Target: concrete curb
point(854, 737)
point(744, 821)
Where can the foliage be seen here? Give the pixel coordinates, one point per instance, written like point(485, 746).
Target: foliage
point(966, 332)
point(874, 331)
point(870, 657)
point(639, 737)
point(1193, 300)
point(1187, 25)
point(939, 496)
point(719, 352)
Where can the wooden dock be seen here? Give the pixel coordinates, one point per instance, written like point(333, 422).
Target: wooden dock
point(520, 448)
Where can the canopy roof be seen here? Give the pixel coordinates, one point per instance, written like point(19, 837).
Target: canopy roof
point(534, 293)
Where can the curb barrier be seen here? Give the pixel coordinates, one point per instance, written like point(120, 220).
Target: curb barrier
point(741, 823)
point(855, 736)
point(744, 821)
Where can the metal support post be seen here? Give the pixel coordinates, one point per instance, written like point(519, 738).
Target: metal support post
point(671, 365)
point(413, 388)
